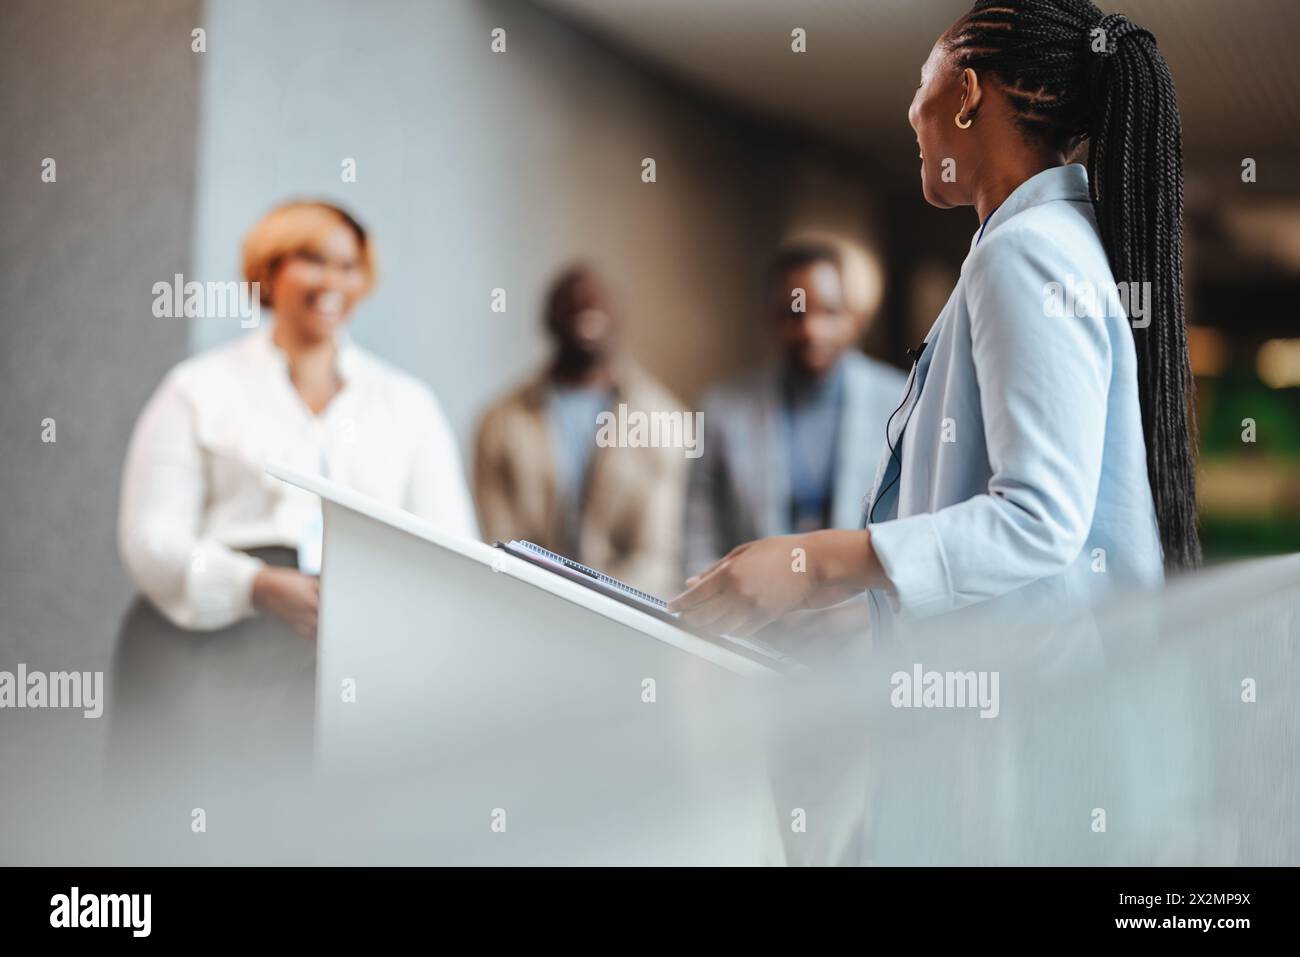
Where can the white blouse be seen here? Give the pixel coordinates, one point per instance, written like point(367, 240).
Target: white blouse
point(194, 489)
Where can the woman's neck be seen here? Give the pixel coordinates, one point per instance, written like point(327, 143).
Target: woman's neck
point(312, 368)
point(997, 184)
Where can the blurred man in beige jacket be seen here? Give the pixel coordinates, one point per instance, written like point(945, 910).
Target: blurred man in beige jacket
point(546, 471)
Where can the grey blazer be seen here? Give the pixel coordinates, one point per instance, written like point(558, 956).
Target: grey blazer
point(739, 488)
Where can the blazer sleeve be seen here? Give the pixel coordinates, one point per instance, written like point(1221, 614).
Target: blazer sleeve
point(655, 561)
point(195, 581)
point(493, 488)
point(1043, 384)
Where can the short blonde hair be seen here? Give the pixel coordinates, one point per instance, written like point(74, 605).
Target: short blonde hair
point(861, 272)
point(297, 227)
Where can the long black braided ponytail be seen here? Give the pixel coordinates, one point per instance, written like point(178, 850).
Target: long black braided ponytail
point(1072, 73)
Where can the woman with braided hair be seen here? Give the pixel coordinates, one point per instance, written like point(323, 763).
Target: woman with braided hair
point(1043, 449)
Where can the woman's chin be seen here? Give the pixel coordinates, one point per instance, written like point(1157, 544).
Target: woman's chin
point(314, 327)
point(932, 196)
point(943, 202)
point(329, 324)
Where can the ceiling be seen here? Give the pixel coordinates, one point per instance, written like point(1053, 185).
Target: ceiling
point(1234, 62)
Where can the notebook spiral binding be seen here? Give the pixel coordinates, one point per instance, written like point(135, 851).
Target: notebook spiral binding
point(599, 576)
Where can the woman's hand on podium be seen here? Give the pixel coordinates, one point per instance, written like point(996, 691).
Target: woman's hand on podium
point(289, 595)
point(762, 581)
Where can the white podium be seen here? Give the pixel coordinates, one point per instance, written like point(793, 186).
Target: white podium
point(446, 656)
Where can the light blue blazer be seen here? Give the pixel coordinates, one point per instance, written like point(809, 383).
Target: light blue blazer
point(1020, 475)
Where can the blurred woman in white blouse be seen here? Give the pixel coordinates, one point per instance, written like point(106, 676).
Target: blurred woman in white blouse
point(208, 537)
point(195, 496)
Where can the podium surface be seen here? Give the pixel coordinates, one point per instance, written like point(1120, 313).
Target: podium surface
point(435, 652)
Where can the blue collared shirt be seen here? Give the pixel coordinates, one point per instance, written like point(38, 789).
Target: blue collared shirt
point(1023, 468)
point(811, 414)
point(572, 412)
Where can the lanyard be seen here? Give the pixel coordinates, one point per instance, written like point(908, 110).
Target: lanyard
point(985, 223)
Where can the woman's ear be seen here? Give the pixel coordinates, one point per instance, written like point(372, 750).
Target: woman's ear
point(971, 92)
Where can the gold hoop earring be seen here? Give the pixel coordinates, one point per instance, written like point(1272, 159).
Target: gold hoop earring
point(960, 125)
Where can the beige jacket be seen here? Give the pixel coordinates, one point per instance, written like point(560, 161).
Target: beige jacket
point(632, 512)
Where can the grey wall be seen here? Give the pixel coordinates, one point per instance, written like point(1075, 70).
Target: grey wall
point(110, 92)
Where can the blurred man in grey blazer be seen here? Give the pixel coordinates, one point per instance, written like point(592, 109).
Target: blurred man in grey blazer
point(793, 446)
